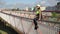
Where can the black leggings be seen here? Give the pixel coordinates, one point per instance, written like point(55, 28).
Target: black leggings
point(35, 20)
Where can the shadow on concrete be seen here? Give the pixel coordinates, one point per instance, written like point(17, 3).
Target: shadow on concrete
point(8, 29)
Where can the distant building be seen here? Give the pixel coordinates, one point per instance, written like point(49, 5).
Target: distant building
point(43, 8)
point(51, 8)
point(26, 8)
point(54, 8)
point(58, 6)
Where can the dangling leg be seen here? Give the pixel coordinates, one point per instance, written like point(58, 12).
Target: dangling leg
point(35, 23)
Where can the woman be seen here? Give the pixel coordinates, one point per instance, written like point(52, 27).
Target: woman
point(38, 14)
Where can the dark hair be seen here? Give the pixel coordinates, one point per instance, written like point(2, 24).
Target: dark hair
point(38, 8)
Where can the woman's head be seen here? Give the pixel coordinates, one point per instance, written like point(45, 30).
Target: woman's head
point(38, 7)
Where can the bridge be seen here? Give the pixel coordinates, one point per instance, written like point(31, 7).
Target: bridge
point(22, 21)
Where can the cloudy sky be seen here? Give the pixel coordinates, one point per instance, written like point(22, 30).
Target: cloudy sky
point(25, 3)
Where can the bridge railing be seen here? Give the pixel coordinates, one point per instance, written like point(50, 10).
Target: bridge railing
point(52, 18)
point(47, 19)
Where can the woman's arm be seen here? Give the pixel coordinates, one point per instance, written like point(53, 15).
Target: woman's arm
point(40, 14)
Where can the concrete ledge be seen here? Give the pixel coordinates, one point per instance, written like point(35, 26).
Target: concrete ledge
point(7, 24)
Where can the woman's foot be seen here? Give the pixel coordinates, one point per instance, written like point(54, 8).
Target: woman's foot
point(36, 27)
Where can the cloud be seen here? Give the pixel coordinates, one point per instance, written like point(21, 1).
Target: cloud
point(48, 2)
point(43, 2)
point(17, 5)
point(21, 5)
point(57, 0)
point(52, 2)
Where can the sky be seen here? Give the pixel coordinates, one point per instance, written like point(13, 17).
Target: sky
point(26, 3)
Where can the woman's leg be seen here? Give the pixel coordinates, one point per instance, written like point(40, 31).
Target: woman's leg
point(35, 23)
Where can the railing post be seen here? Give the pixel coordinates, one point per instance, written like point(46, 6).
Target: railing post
point(59, 31)
point(22, 24)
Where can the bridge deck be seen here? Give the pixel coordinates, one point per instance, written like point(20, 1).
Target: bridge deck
point(25, 24)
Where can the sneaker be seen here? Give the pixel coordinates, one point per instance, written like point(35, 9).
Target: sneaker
point(36, 27)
